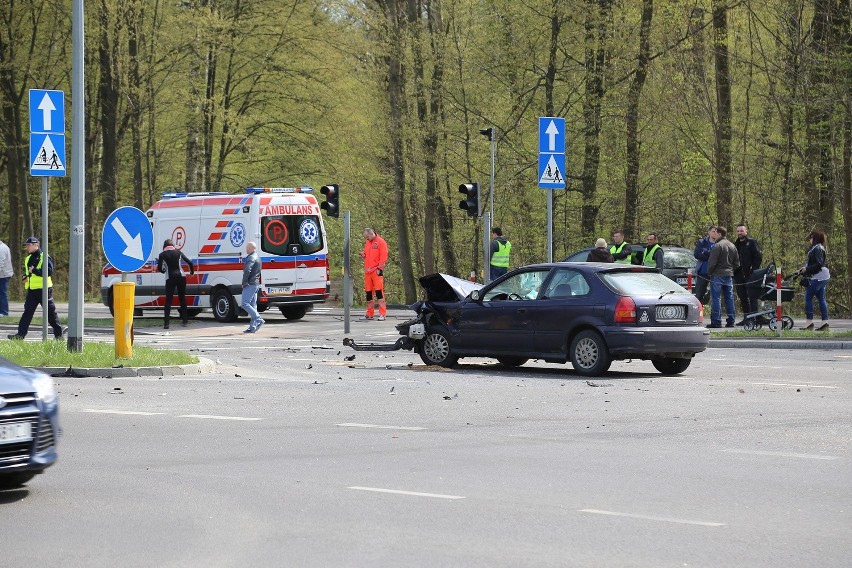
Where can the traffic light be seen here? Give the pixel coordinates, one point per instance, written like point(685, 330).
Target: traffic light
point(488, 133)
point(471, 201)
point(332, 199)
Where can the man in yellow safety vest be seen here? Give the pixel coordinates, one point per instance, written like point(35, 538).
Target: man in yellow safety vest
point(37, 269)
point(619, 250)
point(653, 255)
point(500, 250)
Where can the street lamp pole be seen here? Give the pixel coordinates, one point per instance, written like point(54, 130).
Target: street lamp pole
point(491, 134)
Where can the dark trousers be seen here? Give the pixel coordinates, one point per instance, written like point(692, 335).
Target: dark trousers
point(32, 301)
point(748, 295)
point(175, 284)
point(702, 285)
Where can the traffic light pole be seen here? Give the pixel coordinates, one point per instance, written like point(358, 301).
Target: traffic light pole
point(347, 273)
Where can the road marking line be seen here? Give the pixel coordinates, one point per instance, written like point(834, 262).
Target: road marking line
point(127, 412)
point(797, 386)
point(652, 518)
point(355, 425)
point(753, 366)
point(212, 417)
point(411, 493)
point(781, 454)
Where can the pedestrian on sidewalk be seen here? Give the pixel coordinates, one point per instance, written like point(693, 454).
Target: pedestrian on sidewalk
point(6, 273)
point(721, 265)
point(36, 272)
point(251, 284)
point(816, 270)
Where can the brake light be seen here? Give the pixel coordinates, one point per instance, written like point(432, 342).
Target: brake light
point(625, 310)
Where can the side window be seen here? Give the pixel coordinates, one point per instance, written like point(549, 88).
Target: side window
point(567, 284)
point(523, 286)
point(288, 235)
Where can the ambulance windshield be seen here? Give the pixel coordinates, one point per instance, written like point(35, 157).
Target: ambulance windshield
point(289, 235)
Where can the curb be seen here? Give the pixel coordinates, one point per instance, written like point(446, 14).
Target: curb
point(779, 344)
point(203, 366)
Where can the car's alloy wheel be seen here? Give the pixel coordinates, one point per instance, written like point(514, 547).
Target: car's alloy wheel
point(671, 365)
point(435, 348)
point(224, 306)
point(589, 354)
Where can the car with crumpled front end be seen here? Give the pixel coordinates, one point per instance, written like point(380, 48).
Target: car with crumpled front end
point(29, 423)
point(587, 313)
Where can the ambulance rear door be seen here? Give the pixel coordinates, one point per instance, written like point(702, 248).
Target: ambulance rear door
point(293, 248)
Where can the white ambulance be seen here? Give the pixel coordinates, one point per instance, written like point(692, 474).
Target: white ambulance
point(212, 229)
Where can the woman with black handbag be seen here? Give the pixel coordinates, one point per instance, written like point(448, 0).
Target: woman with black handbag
point(816, 271)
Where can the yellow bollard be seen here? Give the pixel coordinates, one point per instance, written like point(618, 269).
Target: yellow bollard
point(122, 307)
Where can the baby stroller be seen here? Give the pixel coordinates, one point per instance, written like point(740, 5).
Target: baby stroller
point(765, 280)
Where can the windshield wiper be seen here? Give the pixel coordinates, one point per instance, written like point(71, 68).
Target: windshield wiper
point(666, 294)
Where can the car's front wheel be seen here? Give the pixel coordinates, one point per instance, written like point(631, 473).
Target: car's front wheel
point(434, 349)
point(589, 354)
point(671, 365)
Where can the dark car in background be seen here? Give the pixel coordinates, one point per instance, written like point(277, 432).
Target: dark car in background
point(587, 313)
point(677, 261)
point(29, 423)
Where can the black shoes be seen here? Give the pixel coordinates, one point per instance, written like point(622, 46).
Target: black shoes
point(730, 324)
point(823, 327)
point(184, 323)
point(16, 337)
point(714, 325)
point(166, 325)
point(809, 327)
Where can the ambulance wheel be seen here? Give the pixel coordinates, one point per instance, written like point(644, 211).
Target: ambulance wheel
point(294, 312)
point(224, 306)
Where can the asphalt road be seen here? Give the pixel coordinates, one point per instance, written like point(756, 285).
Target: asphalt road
point(291, 455)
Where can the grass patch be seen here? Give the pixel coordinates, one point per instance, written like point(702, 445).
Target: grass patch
point(792, 334)
point(94, 355)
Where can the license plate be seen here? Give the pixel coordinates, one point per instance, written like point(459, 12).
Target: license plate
point(278, 291)
point(681, 281)
point(15, 432)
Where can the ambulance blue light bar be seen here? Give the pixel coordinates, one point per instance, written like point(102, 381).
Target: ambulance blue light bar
point(255, 190)
point(174, 194)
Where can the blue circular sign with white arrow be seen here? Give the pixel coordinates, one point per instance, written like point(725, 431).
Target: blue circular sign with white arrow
point(127, 239)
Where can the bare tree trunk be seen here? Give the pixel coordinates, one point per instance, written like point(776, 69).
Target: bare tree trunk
point(397, 104)
point(597, 20)
point(108, 98)
point(722, 134)
point(633, 97)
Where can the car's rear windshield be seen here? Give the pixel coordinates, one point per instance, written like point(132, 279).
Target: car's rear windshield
point(629, 283)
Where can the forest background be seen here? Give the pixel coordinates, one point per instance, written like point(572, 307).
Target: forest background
point(680, 114)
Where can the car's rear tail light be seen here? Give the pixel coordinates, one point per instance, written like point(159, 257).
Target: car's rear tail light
point(625, 310)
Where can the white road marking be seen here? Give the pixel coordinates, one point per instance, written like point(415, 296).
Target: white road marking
point(652, 518)
point(355, 425)
point(797, 386)
point(128, 412)
point(212, 417)
point(411, 493)
point(781, 454)
point(753, 366)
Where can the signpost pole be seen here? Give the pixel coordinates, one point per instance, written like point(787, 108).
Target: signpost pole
point(78, 143)
point(347, 273)
point(45, 262)
point(549, 225)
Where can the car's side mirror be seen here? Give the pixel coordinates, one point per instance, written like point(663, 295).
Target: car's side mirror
point(474, 295)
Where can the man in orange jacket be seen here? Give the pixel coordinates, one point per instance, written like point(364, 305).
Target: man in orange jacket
point(375, 255)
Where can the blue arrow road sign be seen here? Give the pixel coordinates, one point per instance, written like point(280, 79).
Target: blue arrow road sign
point(47, 154)
point(127, 239)
point(551, 134)
point(551, 171)
point(47, 111)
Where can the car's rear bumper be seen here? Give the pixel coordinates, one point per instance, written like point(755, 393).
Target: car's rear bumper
point(649, 341)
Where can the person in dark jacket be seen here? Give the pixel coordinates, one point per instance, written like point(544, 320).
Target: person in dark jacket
point(721, 265)
point(816, 268)
point(750, 260)
point(37, 275)
point(653, 254)
point(169, 263)
point(702, 255)
point(620, 250)
point(599, 253)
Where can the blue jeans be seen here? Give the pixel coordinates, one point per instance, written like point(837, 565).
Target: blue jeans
point(718, 285)
point(498, 271)
point(249, 304)
point(4, 296)
point(816, 288)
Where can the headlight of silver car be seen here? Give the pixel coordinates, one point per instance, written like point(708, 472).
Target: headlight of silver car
point(44, 388)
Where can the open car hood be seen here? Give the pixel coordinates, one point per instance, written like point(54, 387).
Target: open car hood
point(445, 288)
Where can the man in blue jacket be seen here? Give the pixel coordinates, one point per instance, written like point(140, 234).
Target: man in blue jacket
point(702, 254)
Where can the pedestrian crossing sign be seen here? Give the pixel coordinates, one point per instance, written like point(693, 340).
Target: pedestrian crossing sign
point(47, 154)
point(551, 171)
